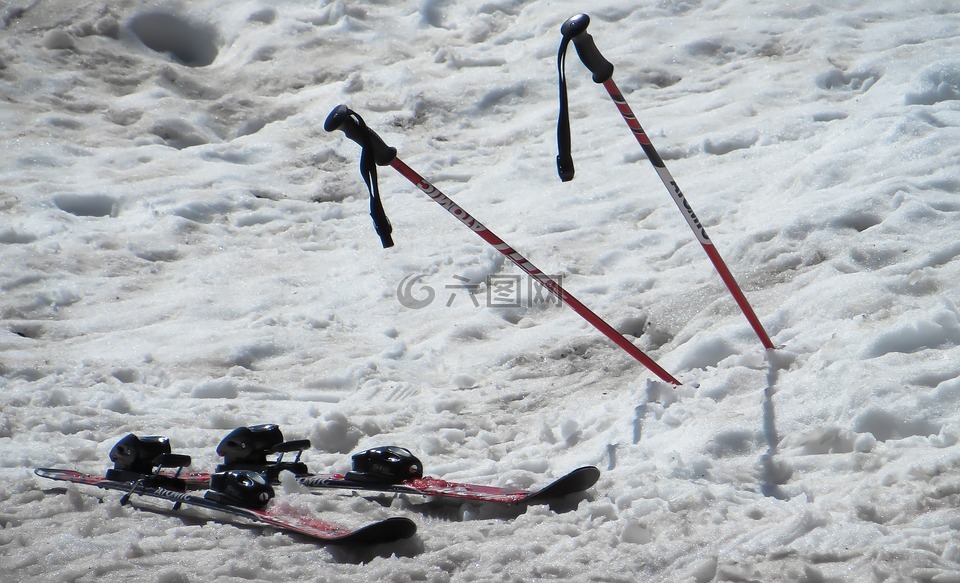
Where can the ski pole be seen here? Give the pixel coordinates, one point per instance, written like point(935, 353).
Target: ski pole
point(345, 119)
point(575, 29)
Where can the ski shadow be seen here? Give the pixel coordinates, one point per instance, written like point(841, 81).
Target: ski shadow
point(362, 554)
point(465, 511)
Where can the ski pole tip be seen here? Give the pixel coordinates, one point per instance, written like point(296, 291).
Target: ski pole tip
point(336, 118)
point(575, 25)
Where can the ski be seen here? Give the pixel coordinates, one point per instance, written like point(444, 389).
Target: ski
point(578, 480)
point(575, 481)
point(388, 469)
point(387, 530)
point(238, 493)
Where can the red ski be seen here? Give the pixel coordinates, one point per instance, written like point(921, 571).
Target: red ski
point(388, 530)
point(578, 480)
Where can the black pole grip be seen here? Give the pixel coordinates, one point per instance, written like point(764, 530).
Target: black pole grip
point(341, 119)
point(575, 28)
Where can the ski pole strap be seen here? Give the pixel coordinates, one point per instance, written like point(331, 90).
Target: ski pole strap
point(564, 157)
point(381, 224)
point(575, 29)
point(373, 152)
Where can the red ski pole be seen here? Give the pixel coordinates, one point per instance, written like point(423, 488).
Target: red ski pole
point(376, 151)
point(575, 29)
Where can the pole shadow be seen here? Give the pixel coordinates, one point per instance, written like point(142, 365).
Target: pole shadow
point(774, 472)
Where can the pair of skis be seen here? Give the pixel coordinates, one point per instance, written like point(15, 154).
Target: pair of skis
point(241, 486)
point(572, 482)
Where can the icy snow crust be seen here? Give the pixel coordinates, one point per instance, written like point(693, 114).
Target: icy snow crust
point(184, 249)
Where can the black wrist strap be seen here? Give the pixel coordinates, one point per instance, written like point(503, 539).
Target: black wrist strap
point(564, 157)
point(368, 170)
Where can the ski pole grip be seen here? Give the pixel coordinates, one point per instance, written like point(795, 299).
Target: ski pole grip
point(575, 28)
point(341, 118)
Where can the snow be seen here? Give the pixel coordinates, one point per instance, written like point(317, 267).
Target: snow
point(184, 250)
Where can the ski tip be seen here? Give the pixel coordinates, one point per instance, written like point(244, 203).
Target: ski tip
point(592, 470)
point(385, 531)
point(578, 480)
point(584, 478)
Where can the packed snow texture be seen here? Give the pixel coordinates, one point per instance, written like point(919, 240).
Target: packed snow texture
point(184, 250)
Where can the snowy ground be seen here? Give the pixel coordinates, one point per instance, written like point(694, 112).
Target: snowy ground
point(184, 249)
